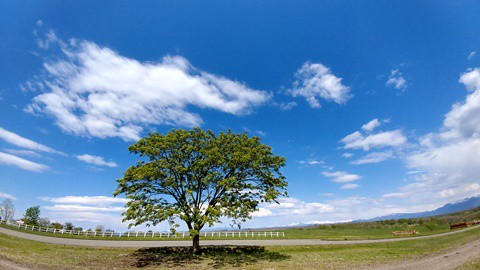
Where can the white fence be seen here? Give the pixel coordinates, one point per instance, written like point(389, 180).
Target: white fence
point(143, 234)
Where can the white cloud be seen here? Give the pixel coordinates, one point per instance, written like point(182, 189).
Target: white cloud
point(294, 206)
point(312, 162)
point(371, 125)
point(341, 177)
point(349, 186)
point(471, 79)
point(450, 159)
point(7, 196)
point(96, 160)
point(394, 195)
point(347, 155)
point(262, 212)
point(396, 80)
point(87, 211)
point(314, 80)
point(356, 140)
point(374, 157)
point(82, 208)
point(20, 141)
point(94, 91)
point(293, 211)
point(471, 55)
point(88, 200)
point(285, 106)
point(11, 160)
point(27, 153)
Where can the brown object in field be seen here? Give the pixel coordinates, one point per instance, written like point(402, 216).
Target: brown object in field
point(475, 222)
point(458, 225)
point(405, 232)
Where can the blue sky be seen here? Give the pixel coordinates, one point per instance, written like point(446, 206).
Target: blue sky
point(375, 104)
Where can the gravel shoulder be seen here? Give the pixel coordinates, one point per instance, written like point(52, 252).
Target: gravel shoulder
point(453, 258)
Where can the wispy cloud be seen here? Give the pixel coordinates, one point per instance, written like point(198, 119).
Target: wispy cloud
point(285, 106)
point(27, 153)
point(357, 140)
point(11, 160)
point(7, 196)
point(341, 177)
point(374, 157)
point(349, 186)
point(471, 55)
point(312, 162)
point(88, 200)
point(371, 125)
point(96, 160)
point(20, 141)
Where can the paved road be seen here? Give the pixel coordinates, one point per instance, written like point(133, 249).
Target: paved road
point(232, 242)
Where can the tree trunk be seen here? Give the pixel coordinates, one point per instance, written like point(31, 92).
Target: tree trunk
point(196, 244)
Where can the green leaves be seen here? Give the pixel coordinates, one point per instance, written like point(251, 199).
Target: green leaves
point(199, 177)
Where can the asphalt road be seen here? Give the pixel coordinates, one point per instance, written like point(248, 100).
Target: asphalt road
point(230, 242)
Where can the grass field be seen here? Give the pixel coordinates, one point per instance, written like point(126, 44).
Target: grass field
point(318, 232)
point(47, 256)
point(345, 231)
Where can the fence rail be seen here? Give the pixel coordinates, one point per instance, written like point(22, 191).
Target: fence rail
point(145, 234)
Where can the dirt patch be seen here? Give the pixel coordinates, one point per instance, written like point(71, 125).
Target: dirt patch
point(451, 259)
point(6, 264)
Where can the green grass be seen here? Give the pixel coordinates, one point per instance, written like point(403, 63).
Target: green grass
point(46, 256)
point(353, 233)
point(318, 232)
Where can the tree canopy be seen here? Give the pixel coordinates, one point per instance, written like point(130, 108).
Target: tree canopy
point(32, 215)
point(199, 177)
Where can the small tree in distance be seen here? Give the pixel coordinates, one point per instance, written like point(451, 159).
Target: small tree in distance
point(199, 177)
point(7, 210)
point(69, 226)
point(99, 228)
point(32, 214)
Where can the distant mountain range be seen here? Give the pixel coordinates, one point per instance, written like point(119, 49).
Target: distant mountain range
point(465, 204)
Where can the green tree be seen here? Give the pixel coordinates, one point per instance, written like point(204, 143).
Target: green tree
point(57, 225)
point(199, 177)
point(69, 226)
point(32, 215)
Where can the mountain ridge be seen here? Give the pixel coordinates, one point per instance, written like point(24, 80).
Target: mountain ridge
point(465, 204)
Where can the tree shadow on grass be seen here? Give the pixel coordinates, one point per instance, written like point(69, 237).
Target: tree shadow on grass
point(213, 256)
